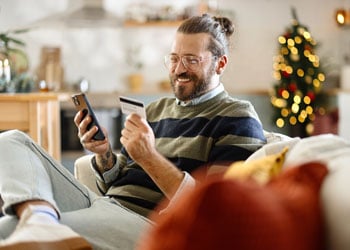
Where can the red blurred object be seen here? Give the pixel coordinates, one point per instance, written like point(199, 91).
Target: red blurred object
point(292, 87)
point(326, 123)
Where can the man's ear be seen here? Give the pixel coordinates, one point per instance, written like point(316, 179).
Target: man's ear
point(222, 61)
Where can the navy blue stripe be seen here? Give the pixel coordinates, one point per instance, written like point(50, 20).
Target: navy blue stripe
point(228, 154)
point(215, 127)
point(136, 201)
point(188, 165)
point(219, 154)
point(137, 177)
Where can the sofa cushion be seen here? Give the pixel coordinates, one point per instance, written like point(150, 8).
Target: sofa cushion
point(272, 137)
point(231, 214)
point(260, 170)
point(335, 195)
point(334, 152)
point(273, 147)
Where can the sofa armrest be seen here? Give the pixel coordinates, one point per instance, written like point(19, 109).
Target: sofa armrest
point(84, 174)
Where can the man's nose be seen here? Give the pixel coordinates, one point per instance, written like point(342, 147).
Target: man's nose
point(180, 68)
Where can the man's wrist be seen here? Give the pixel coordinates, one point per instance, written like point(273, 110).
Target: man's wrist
point(106, 161)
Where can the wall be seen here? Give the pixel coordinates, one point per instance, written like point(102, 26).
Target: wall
point(99, 54)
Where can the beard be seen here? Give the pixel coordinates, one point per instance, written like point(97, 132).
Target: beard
point(197, 86)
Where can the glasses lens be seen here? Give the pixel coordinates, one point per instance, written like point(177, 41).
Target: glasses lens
point(191, 63)
point(171, 61)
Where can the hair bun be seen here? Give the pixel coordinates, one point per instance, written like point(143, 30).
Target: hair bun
point(226, 25)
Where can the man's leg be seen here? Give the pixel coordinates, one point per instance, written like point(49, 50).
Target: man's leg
point(36, 188)
point(107, 225)
point(27, 172)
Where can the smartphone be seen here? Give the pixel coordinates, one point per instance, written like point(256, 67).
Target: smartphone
point(81, 103)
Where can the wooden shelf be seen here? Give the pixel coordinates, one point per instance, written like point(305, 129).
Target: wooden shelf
point(132, 23)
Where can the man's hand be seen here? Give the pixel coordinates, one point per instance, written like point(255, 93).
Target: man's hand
point(85, 136)
point(138, 138)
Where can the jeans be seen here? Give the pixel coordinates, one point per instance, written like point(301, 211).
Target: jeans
point(27, 172)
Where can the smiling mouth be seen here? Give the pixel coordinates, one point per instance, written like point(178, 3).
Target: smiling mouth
point(183, 79)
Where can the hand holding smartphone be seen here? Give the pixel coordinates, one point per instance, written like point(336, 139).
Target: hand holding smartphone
point(81, 103)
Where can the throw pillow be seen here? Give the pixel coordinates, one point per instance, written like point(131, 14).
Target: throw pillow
point(230, 214)
point(260, 170)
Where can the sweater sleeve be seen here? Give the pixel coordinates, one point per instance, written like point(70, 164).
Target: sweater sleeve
point(188, 183)
point(105, 179)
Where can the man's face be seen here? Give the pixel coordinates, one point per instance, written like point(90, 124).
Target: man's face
point(190, 81)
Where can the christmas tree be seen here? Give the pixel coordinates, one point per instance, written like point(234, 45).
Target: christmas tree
point(299, 79)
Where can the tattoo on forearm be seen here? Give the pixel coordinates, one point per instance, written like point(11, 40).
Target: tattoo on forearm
point(106, 161)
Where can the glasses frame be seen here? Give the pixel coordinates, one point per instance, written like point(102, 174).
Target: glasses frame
point(185, 61)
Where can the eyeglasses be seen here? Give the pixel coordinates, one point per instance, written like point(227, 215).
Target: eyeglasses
point(190, 62)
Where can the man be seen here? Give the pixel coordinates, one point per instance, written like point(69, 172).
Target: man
point(203, 125)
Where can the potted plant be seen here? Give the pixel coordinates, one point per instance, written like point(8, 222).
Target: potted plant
point(134, 60)
point(18, 62)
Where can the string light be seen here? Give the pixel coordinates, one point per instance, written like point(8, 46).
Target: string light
point(295, 108)
point(280, 123)
point(307, 36)
point(282, 40)
point(308, 79)
point(284, 112)
point(321, 77)
point(297, 99)
point(298, 40)
point(307, 100)
point(290, 42)
point(342, 17)
point(300, 72)
point(285, 94)
point(310, 128)
point(293, 120)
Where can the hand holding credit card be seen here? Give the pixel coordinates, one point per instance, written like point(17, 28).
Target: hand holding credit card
point(129, 105)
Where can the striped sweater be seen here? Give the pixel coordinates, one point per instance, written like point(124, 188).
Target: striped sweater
point(220, 130)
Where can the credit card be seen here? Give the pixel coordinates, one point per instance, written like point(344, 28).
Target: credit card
point(129, 105)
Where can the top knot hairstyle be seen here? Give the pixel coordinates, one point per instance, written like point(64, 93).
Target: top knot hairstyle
point(219, 28)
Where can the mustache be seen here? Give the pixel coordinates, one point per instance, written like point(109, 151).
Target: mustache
point(184, 75)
